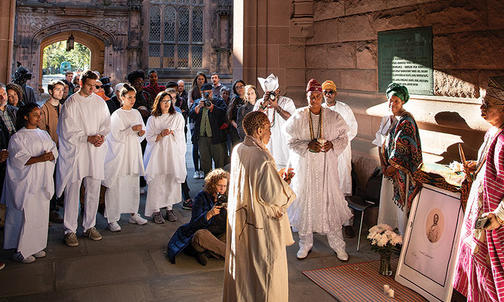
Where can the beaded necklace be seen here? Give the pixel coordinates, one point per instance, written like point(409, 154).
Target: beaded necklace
point(312, 136)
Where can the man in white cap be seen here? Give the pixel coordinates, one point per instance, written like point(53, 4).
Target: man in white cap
point(278, 109)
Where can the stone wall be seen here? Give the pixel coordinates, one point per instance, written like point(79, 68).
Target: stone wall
point(338, 40)
point(6, 39)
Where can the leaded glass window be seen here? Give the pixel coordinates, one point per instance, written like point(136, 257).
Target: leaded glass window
point(176, 34)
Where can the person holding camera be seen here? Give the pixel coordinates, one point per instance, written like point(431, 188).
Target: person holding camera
point(278, 109)
point(209, 115)
point(207, 229)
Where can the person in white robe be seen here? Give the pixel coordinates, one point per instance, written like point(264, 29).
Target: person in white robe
point(278, 109)
point(84, 123)
point(164, 158)
point(124, 162)
point(258, 227)
point(29, 186)
point(345, 158)
point(317, 136)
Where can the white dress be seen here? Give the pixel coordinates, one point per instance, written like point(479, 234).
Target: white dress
point(345, 159)
point(164, 162)
point(278, 140)
point(123, 164)
point(320, 205)
point(27, 191)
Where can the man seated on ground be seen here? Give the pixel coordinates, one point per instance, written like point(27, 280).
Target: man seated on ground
point(207, 229)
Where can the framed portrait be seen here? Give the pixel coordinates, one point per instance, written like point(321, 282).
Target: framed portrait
point(429, 253)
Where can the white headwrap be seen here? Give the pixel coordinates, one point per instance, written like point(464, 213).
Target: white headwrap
point(269, 84)
point(118, 87)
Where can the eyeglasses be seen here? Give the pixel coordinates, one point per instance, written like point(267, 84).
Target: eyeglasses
point(166, 101)
point(98, 87)
point(328, 91)
point(239, 86)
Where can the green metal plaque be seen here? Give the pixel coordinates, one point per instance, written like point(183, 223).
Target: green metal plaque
point(405, 57)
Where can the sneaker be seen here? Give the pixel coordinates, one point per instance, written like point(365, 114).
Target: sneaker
point(187, 204)
point(114, 227)
point(348, 231)
point(196, 175)
point(2, 265)
point(201, 258)
point(341, 254)
point(40, 254)
point(71, 239)
point(303, 252)
point(158, 218)
point(93, 234)
point(137, 219)
point(170, 216)
point(19, 258)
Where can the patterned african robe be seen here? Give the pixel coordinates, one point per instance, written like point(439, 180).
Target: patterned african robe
point(402, 149)
point(480, 272)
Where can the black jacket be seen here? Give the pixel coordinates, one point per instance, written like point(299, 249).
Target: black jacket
point(217, 121)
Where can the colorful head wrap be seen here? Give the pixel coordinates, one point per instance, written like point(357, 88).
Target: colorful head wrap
point(313, 85)
point(328, 85)
point(496, 88)
point(398, 90)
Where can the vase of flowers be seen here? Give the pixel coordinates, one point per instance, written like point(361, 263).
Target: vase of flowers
point(385, 241)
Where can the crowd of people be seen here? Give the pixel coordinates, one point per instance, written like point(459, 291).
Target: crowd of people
point(290, 169)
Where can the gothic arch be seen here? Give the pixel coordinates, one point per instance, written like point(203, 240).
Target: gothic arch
point(99, 41)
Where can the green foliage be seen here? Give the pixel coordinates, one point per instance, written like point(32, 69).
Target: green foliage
point(55, 54)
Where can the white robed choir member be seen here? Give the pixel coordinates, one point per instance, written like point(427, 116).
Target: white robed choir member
point(124, 162)
point(258, 227)
point(164, 157)
point(84, 123)
point(28, 188)
point(317, 136)
point(278, 109)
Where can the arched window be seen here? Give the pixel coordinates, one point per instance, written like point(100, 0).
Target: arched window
point(176, 34)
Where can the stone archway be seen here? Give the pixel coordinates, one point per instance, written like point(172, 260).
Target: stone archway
point(106, 49)
point(95, 45)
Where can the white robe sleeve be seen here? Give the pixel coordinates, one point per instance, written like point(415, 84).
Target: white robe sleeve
point(68, 130)
point(295, 141)
point(151, 131)
point(18, 155)
point(340, 138)
point(273, 192)
point(346, 112)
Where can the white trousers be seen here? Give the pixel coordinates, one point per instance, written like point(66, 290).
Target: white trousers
point(72, 204)
point(334, 238)
point(123, 196)
point(163, 191)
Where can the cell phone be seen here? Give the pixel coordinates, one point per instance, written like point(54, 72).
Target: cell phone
point(481, 223)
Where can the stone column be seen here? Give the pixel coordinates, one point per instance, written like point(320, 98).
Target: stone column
point(7, 20)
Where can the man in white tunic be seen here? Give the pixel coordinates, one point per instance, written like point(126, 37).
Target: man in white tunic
point(83, 125)
point(345, 158)
point(258, 227)
point(278, 109)
point(317, 136)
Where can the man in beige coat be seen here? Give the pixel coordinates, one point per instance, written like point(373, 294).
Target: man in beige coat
point(258, 227)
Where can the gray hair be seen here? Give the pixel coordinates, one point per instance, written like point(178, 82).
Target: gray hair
point(2, 85)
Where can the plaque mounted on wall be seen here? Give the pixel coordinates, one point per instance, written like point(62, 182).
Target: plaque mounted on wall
point(405, 57)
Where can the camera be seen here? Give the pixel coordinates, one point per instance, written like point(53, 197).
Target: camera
point(221, 200)
point(272, 95)
point(208, 103)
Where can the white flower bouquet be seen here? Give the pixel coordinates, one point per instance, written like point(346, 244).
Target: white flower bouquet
point(383, 239)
